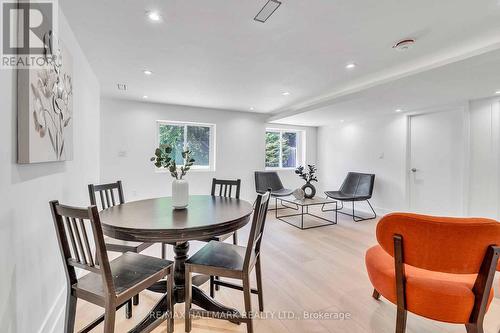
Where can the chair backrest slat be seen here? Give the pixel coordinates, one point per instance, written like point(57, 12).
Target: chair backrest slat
point(226, 187)
point(358, 184)
point(74, 234)
point(257, 228)
point(106, 194)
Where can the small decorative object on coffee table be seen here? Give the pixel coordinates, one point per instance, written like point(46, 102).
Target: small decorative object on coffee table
point(180, 187)
point(299, 194)
point(309, 176)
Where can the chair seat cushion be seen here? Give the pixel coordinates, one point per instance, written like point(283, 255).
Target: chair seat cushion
point(337, 195)
point(128, 270)
point(434, 295)
point(220, 255)
point(284, 192)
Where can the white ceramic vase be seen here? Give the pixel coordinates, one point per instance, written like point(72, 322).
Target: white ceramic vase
point(180, 193)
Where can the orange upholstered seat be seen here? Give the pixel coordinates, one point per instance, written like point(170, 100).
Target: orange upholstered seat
point(434, 295)
point(440, 268)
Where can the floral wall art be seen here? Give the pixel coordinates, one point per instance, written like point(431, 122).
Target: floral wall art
point(45, 109)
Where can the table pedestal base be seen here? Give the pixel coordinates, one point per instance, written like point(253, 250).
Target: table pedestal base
point(160, 311)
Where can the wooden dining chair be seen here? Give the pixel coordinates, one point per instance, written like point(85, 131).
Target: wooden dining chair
point(231, 261)
point(107, 200)
point(224, 188)
point(107, 284)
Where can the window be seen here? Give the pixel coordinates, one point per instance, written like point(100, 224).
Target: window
point(283, 148)
point(199, 138)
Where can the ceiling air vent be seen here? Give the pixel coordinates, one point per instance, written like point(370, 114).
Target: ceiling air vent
point(266, 11)
point(122, 86)
point(404, 45)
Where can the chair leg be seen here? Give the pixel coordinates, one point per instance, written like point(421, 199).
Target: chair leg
point(248, 302)
point(401, 321)
point(376, 294)
point(258, 273)
point(187, 299)
point(235, 238)
point(109, 316)
point(474, 328)
point(217, 287)
point(212, 289)
point(136, 299)
point(170, 304)
point(69, 323)
point(128, 309)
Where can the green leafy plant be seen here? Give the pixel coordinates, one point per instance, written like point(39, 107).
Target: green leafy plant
point(163, 159)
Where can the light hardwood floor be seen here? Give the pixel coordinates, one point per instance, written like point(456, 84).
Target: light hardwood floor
point(317, 270)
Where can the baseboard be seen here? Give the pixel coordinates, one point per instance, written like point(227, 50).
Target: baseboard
point(55, 314)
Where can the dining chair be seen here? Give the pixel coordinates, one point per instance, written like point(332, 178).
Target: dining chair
point(108, 284)
point(234, 262)
point(440, 268)
point(107, 200)
point(224, 188)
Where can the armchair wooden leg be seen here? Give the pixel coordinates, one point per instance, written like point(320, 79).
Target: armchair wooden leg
point(401, 321)
point(248, 303)
point(258, 273)
point(474, 328)
point(109, 316)
point(187, 299)
point(128, 309)
point(69, 324)
point(376, 294)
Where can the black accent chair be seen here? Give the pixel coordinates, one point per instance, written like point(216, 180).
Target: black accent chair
point(356, 187)
point(265, 180)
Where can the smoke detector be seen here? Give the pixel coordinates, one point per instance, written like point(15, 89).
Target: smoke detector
point(404, 45)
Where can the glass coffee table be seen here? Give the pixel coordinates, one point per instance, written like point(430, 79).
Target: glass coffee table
point(302, 208)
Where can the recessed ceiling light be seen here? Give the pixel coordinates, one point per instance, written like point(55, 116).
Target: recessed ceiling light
point(286, 93)
point(398, 110)
point(497, 92)
point(404, 45)
point(153, 16)
point(147, 72)
point(266, 11)
point(350, 65)
point(341, 120)
point(252, 108)
point(145, 97)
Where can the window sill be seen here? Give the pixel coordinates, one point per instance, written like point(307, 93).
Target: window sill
point(280, 169)
point(190, 170)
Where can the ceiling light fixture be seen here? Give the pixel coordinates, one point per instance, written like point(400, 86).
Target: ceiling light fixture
point(153, 16)
point(266, 11)
point(252, 108)
point(286, 93)
point(341, 120)
point(122, 86)
point(147, 72)
point(497, 92)
point(398, 110)
point(350, 65)
point(145, 97)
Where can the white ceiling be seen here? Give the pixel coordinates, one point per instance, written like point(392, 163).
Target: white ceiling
point(213, 54)
point(456, 83)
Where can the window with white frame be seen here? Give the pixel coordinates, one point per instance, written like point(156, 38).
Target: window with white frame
point(284, 148)
point(199, 138)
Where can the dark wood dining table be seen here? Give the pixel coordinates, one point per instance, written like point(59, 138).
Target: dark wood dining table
point(155, 220)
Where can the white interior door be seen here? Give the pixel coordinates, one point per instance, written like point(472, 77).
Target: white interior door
point(436, 163)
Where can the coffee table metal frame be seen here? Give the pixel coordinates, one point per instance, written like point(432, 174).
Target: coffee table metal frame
point(299, 206)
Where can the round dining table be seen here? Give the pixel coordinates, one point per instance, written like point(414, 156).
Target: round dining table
point(155, 221)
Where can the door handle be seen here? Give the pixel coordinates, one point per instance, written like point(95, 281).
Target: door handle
point(413, 170)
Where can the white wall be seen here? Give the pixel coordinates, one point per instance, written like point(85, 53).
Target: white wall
point(484, 184)
point(130, 127)
point(32, 279)
point(374, 145)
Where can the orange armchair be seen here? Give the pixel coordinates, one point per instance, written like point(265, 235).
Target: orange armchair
point(436, 267)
